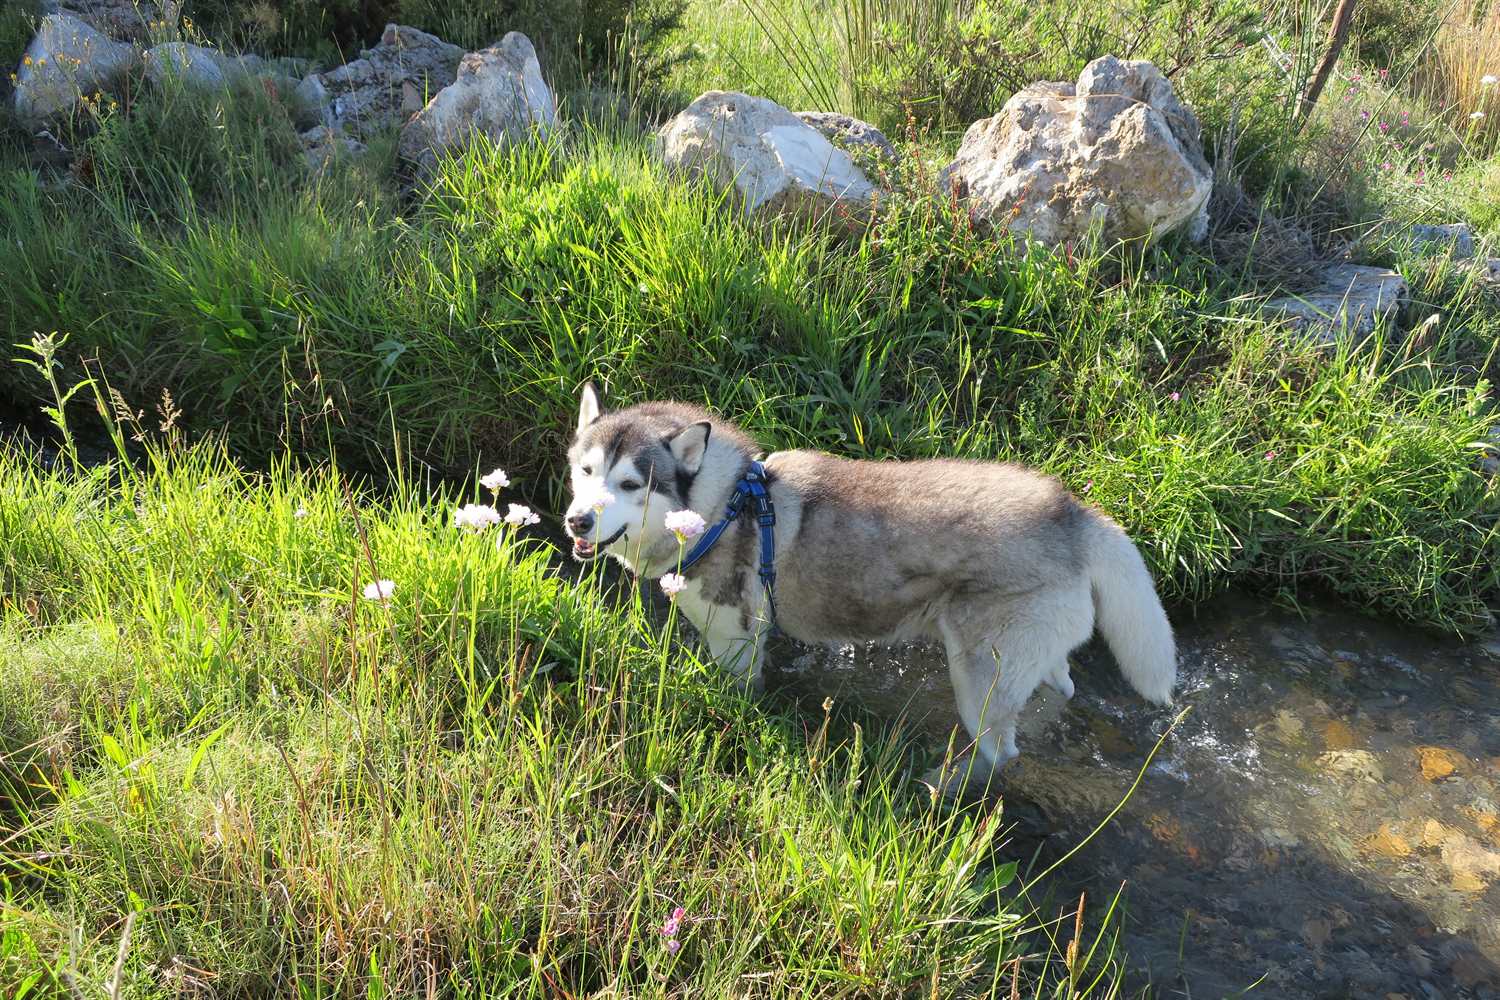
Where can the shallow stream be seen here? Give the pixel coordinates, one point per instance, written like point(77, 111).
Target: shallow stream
point(1325, 822)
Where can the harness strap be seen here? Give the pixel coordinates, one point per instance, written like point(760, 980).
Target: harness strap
point(750, 489)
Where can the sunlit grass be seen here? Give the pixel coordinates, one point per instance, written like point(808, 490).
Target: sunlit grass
point(495, 782)
point(322, 312)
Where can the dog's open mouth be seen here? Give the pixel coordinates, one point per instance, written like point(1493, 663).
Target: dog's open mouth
point(585, 549)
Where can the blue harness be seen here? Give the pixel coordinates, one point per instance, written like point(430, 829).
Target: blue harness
point(751, 489)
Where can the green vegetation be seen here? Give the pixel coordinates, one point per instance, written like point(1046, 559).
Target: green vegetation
point(578, 37)
point(503, 781)
point(325, 312)
point(497, 783)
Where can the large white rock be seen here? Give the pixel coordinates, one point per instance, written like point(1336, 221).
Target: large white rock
point(773, 161)
point(193, 65)
point(66, 58)
point(1117, 150)
point(499, 93)
point(1351, 300)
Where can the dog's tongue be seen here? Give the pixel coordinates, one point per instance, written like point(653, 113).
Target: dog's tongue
point(582, 547)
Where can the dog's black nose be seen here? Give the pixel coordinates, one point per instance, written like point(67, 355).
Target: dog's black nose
point(581, 524)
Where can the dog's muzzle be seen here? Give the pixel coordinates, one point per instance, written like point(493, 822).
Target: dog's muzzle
point(584, 550)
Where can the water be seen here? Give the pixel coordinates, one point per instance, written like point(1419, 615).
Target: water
point(1325, 822)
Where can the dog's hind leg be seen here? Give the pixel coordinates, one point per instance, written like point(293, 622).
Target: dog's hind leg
point(1059, 680)
point(994, 676)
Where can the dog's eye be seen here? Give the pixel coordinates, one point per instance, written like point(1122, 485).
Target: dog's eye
point(587, 470)
point(630, 485)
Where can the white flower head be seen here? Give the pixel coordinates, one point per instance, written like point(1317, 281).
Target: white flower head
point(673, 584)
point(685, 524)
point(495, 481)
point(300, 512)
point(1488, 80)
point(520, 514)
point(1476, 116)
point(598, 498)
point(475, 517)
point(380, 590)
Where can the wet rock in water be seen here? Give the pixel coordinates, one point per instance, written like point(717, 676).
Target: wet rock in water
point(1455, 239)
point(1387, 843)
point(1351, 765)
point(385, 84)
point(852, 135)
point(1438, 763)
point(772, 161)
point(1348, 305)
point(1469, 968)
point(1117, 151)
point(1338, 736)
point(67, 58)
point(499, 93)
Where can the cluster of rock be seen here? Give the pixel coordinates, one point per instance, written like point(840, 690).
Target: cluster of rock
point(437, 94)
point(1352, 299)
point(1115, 155)
point(1112, 156)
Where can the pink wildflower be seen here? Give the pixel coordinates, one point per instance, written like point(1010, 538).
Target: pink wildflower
point(475, 517)
point(520, 514)
point(1175, 396)
point(671, 927)
point(673, 584)
point(380, 590)
point(685, 524)
point(1270, 455)
point(598, 498)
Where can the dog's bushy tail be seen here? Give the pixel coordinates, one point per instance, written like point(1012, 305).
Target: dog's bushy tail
point(1129, 613)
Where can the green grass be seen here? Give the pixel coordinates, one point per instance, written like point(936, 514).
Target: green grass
point(497, 784)
point(328, 315)
point(504, 780)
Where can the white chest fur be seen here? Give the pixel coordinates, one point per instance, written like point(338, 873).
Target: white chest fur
point(734, 637)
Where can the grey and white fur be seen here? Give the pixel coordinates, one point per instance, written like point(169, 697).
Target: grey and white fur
point(1002, 565)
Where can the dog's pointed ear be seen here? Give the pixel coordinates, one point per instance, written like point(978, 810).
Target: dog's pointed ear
point(689, 444)
point(588, 406)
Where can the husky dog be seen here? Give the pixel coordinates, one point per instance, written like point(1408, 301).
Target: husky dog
point(1000, 564)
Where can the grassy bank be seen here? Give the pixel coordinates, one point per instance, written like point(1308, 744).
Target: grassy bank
point(327, 314)
point(496, 783)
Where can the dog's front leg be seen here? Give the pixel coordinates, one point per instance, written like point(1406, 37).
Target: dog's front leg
point(735, 639)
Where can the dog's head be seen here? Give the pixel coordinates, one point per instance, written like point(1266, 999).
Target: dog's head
point(629, 470)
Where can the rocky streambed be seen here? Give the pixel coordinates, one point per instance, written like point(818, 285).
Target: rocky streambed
point(1325, 822)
